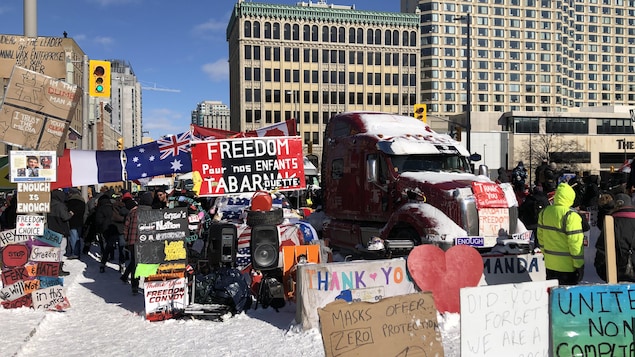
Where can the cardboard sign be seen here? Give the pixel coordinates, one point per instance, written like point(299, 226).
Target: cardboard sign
point(13, 291)
point(162, 235)
point(51, 238)
point(165, 298)
point(48, 269)
point(403, 325)
point(13, 275)
point(31, 225)
point(34, 197)
point(320, 284)
point(35, 169)
point(8, 237)
point(489, 194)
point(592, 318)
point(506, 269)
point(37, 111)
point(51, 298)
point(45, 254)
point(491, 220)
point(506, 320)
point(248, 165)
point(14, 255)
point(24, 300)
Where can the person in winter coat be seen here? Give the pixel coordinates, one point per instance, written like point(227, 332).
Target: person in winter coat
point(503, 177)
point(551, 178)
point(131, 233)
point(519, 176)
point(106, 220)
point(624, 223)
point(57, 219)
point(76, 204)
point(529, 210)
point(9, 215)
point(561, 238)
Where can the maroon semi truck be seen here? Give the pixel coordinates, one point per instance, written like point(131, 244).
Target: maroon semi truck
point(393, 177)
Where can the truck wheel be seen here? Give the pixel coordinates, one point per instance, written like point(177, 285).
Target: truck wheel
point(270, 218)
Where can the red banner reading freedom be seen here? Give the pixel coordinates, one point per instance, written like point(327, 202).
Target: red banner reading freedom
point(241, 165)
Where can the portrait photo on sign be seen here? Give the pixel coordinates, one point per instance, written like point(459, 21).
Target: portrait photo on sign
point(32, 166)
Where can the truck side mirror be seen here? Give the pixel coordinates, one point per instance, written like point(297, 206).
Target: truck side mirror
point(371, 169)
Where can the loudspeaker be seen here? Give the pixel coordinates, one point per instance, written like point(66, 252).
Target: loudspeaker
point(265, 247)
point(222, 244)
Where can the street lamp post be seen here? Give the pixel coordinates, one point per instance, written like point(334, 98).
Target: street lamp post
point(468, 125)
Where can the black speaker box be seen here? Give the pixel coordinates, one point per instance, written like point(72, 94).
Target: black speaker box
point(265, 247)
point(223, 238)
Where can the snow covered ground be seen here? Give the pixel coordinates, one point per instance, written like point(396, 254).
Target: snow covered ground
point(105, 319)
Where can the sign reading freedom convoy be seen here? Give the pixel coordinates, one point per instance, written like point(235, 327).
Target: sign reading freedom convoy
point(253, 164)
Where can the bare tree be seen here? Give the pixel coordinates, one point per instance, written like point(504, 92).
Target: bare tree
point(553, 147)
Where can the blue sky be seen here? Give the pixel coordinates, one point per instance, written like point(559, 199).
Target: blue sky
point(170, 44)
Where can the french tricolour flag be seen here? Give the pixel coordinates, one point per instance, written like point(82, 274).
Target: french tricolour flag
point(87, 167)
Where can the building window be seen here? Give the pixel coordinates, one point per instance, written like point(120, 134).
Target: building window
point(567, 126)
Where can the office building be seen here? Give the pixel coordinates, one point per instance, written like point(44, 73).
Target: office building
point(125, 103)
point(312, 60)
point(212, 114)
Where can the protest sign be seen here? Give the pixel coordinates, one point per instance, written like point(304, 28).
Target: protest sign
point(50, 298)
point(32, 225)
point(37, 111)
point(506, 320)
point(165, 299)
point(248, 165)
point(404, 325)
point(162, 235)
point(592, 320)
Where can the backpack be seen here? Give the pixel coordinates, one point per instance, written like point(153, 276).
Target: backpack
point(271, 293)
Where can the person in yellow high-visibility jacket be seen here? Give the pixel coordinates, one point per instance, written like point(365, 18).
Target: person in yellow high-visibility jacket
point(561, 238)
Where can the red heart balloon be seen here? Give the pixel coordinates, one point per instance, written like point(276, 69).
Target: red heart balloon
point(445, 273)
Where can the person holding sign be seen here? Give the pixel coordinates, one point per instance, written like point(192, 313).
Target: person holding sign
point(131, 234)
point(624, 223)
point(57, 220)
point(561, 238)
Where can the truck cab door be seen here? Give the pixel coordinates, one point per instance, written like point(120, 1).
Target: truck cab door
point(376, 198)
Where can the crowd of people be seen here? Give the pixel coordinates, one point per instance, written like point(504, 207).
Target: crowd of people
point(557, 210)
point(107, 220)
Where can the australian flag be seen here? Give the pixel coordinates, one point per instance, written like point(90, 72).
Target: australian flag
point(168, 155)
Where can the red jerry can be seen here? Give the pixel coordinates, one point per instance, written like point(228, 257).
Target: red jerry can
point(261, 201)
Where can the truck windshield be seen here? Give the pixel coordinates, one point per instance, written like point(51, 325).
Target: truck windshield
point(438, 163)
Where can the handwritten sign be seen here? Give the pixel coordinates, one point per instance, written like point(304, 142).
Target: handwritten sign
point(320, 284)
point(8, 237)
point(37, 111)
point(48, 281)
point(403, 325)
point(506, 320)
point(45, 254)
point(51, 238)
point(48, 269)
point(592, 318)
point(51, 298)
point(506, 269)
point(30, 225)
point(11, 276)
point(491, 220)
point(253, 164)
point(24, 300)
point(34, 197)
point(14, 255)
point(162, 235)
point(13, 291)
point(489, 195)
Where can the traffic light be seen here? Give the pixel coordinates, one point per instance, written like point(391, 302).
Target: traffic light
point(120, 143)
point(457, 130)
point(99, 78)
point(421, 112)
